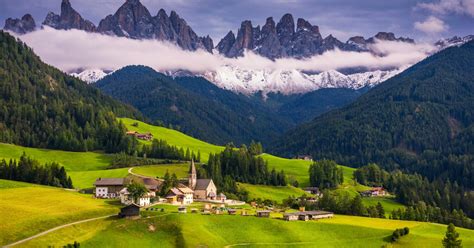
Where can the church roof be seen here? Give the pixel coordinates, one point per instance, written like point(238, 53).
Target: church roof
point(202, 184)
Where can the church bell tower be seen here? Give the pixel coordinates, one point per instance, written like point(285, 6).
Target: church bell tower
point(192, 178)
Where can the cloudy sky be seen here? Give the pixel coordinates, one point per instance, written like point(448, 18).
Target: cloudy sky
point(420, 19)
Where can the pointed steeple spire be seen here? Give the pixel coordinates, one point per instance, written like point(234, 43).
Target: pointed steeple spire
point(192, 178)
point(192, 168)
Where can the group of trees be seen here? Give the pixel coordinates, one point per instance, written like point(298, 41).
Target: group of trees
point(340, 204)
point(136, 190)
point(30, 170)
point(158, 152)
point(413, 188)
point(240, 165)
point(422, 212)
point(325, 174)
point(40, 106)
point(399, 233)
point(161, 149)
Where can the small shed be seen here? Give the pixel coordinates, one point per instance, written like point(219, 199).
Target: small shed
point(263, 213)
point(290, 216)
point(132, 210)
point(182, 210)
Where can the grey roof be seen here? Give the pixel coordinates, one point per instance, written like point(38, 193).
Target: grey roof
point(110, 182)
point(308, 213)
point(202, 184)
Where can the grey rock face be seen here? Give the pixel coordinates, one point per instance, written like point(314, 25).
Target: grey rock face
point(133, 20)
point(68, 19)
point(226, 43)
point(20, 26)
point(283, 40)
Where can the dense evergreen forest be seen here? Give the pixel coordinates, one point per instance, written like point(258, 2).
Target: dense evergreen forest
point(421, 120)
point(43, 107)
point(31, 171)
point(413, 189)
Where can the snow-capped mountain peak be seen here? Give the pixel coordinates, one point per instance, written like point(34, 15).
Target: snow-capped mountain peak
point(249, 81)
point(90, 76)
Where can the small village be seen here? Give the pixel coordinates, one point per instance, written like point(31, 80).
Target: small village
point(196, 195)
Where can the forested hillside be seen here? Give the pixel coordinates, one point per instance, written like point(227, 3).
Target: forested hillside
point(201, 109)
point(420, 121)
point(43, 107)
point(193, 106)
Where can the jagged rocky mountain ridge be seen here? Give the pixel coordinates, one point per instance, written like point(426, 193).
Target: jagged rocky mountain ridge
point(273, 40)
point(20, 26)
point(131, 20)
point(283, 40)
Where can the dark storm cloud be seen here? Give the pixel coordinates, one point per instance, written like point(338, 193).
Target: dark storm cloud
point(342, 18)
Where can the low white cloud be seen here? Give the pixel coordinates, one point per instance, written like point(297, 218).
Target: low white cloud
point(431, 25)
point(73, 49)
point(449, 6)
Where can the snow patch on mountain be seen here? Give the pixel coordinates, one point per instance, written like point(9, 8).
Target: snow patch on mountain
point(90, 76)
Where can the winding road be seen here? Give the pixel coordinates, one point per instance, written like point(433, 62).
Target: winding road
point(55, 229)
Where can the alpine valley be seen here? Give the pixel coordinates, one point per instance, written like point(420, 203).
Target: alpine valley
point(130, 129)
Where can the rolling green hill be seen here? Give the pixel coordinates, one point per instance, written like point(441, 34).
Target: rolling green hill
point(170, 229)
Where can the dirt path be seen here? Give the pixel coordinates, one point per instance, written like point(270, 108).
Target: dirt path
point(55, 229)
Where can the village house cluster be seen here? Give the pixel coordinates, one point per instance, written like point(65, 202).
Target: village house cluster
point(185, 193)
point(375, 191)
point(196, 189)
point(142, 136)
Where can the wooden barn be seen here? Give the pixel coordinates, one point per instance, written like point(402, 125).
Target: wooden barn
point(130, 211)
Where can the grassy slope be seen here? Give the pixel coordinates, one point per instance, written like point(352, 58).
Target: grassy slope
point(181, 170)
point(83, 167)
point(388, 203)
point(271, 192)
point(85, 179)
point(174, 137)
point(193, 230)
point(72, 161)
point(28, 209)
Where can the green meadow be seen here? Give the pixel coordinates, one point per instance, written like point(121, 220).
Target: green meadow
point(274, 193)
point(389, 204)
point(72, 161)
point(173, 137)
point(170, 229)
point(82, 167)
point(28, 209)
point(181, 170)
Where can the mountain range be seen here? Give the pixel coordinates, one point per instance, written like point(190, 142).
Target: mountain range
point(273, 40)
